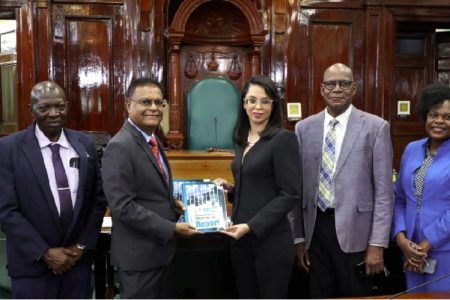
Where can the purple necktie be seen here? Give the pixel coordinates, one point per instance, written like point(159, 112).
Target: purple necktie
point(65, 201)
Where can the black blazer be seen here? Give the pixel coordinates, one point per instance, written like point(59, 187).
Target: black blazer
point(267, 183)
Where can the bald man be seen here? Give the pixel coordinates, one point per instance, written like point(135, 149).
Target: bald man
point(346, 160)
point(51, 202)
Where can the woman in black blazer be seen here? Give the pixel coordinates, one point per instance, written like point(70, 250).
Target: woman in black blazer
point(266, 171)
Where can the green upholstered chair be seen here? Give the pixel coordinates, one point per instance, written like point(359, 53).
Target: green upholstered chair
point(5, 281)
point(212, 108)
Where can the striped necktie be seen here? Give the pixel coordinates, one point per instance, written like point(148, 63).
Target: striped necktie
point(326, 167)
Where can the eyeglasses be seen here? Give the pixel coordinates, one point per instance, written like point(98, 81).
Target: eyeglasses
point(43, 108)
point(147, 103)
point(331, 84)
point(433, 116)
point(263, 101)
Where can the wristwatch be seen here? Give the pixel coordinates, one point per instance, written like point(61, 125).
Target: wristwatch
point(81, 246)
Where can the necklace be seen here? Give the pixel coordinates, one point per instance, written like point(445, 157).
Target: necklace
point(251, 142)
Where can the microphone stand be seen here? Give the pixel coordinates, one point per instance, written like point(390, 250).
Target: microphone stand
point(420, 285)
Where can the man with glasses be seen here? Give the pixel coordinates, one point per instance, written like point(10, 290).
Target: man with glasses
point(346, 159)
point(51, 202)
point(138, 187)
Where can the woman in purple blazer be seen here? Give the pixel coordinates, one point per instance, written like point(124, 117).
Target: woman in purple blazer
point(422, 197)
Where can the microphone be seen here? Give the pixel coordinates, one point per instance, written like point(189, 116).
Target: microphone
point(420, 285)
point(215, 130)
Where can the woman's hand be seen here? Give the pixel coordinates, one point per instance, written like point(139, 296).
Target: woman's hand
point(225, 184)
point(237, 231)
point(414, 254)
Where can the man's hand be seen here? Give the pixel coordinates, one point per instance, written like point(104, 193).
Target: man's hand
point(74, 253)
point(237, 231)
point(58, 260)
point(303, 257)
point(179, 207)
point(185, 229)
point(374, 260)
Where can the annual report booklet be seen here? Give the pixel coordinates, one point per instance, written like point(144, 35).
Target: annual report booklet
point(204, 203)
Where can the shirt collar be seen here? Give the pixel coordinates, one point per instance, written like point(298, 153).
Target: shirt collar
point(44, 141)
point(342, 118)
point(145, 135)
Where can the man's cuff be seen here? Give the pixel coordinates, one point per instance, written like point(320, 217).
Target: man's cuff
point(298, 241)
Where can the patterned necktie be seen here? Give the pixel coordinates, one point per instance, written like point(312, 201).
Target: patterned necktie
point(326, 167)
point(65, 199)
point(155, 149)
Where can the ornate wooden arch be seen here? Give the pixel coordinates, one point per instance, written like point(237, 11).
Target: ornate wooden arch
point(178, 35)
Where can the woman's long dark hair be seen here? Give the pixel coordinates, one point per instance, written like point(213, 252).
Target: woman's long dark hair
point(276, 121)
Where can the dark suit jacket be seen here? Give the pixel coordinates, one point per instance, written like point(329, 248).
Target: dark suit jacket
point(28, 212)
point(267, 183)
point(141, 203)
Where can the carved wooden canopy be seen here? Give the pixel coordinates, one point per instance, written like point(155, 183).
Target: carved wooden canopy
point(212, 23)
point(230, 22)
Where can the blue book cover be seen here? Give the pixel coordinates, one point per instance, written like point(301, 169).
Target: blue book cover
point(205, 206)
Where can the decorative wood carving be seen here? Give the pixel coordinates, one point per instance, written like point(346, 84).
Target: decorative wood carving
point(190, 68)
point(217, 22)
point(235, 70)
point(212, 63)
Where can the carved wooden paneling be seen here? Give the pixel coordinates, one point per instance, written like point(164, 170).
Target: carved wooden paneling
point(325, 37)
point(42, 57)
point(412, 73)
point(87, 61)
point(231, 43)
point(375, 53)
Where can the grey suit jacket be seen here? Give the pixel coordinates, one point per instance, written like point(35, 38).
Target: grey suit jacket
point(363, 181)
point(141, 203)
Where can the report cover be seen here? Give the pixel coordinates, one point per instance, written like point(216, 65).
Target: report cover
point(205, 206)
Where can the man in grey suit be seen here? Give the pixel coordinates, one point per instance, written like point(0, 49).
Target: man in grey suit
point(138, 187)
point(346, 160)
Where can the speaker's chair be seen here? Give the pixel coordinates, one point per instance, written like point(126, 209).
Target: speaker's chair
point(212, 108)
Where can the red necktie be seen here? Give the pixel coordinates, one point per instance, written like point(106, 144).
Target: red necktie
point(154, 146)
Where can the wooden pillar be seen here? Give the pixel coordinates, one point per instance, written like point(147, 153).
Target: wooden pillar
point(175, 136)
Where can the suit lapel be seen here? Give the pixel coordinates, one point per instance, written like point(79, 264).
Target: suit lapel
point(32, 151)
point(142, 143)
point(354, 126)
point(81, 151)
point(316, 142)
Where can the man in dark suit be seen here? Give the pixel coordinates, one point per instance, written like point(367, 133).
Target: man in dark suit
point(138, 187)
point(51, 202)
point(346, 160)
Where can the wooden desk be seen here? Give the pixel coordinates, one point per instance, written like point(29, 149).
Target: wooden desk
point(188, 164)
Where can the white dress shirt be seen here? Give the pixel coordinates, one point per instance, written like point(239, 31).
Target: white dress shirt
point(66, 152)
point(147, 139)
